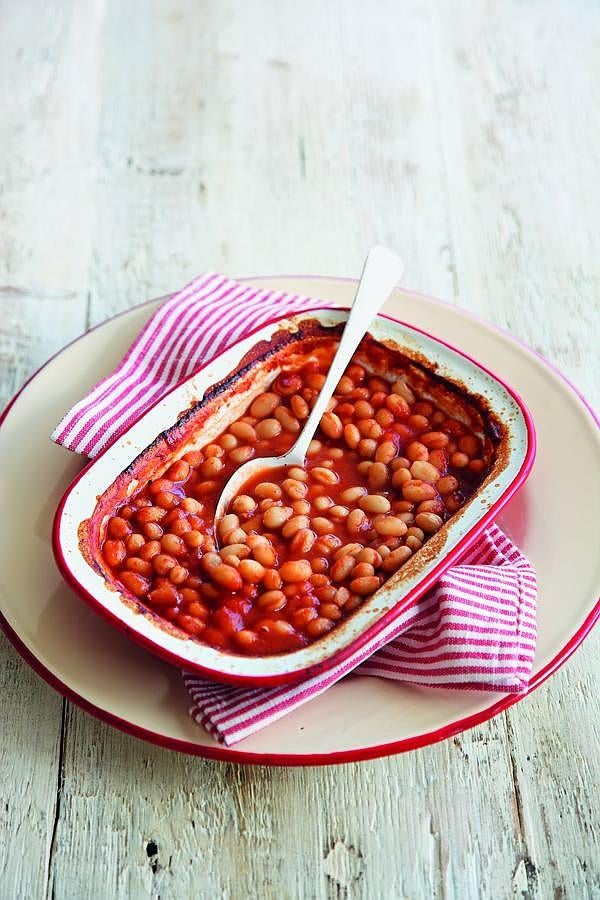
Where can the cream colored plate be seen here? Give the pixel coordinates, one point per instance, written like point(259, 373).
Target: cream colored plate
point(110, 676)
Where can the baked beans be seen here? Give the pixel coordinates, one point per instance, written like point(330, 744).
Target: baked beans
point(298, 550)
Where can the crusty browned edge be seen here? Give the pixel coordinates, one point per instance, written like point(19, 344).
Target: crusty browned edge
point(383, 356)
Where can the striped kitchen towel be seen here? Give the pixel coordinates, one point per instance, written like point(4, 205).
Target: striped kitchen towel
point(190, 328)
point(474, 630)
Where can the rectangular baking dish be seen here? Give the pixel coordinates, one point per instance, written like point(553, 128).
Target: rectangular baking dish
point(197, 410)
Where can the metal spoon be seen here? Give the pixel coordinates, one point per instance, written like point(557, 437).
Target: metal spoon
point(381, 273)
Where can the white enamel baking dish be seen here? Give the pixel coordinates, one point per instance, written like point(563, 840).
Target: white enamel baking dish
point(155, 440)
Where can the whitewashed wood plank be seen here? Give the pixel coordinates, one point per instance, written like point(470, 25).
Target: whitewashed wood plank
point(47, 72)
point(520, 125)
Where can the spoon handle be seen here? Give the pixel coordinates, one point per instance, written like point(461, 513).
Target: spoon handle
point(381, 273)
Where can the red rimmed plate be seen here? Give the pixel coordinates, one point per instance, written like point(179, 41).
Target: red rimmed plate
point(106, 674)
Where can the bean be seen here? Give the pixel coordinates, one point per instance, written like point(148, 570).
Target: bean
point(293, 525)
point(301, 617)
point(297, 473)
point(193, 539)
point(331, 425)
point(351, 435)
point(149, 514)
point(428, 522)
point(271, 579)
point(149, 550)
point(321, 525)
point(228, 441)
point(326, 543)
point(268, 490)
point(163, 563)
point(364, 586)
point(369, 555)
point(347, 549)
point(178, 574)
point(244, 432)
point(352, 494)
point(239, 550)
point(459, 460)
point(287, 420)
point(243, 505)
point(407, 517)
point(227, 523)
point(227, 577)
point(264, 554)
point(214, 450)
point(390, 526)
point(401, 477)
point(400, 387)
point(118, 527)
point(395, 559)
point(276, 516)
point(314, 447)
point(241, 454)
point(434, 440)
point(318, 627)
point(251, 571)
point(397, 405)
point(165, 594)
point(342, 568)
point(363, 410)
point(264, 405)
point(137, 584)
point(189, 505)
point(424, 471)
point(377, 476)
point(295, 570)
point(345, 385)
point(133, 543)
point(366, 448)
point(180, 527)
point(336, 452)
point(374, 503)
point(295, 489)
point(210, 561)
point(416, 491)
point(357, 521)
point(438, 417)
point(414, 543)
point(114, 552)
point(302, 542)
point(362, 570)
point(434, 506)
point(447, 484)
point(211, 467)
point(324, 475)
point(141, 566)
point(268, 429)
point(339, 512)
point(245, 638)
point(386, 452)
point(330, 611)
point(301, 507)
point(272, 601)
point(369, 428)
point(299, 406)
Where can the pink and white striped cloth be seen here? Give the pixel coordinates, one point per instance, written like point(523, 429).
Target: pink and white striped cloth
point(190, 328)
point(474, 630)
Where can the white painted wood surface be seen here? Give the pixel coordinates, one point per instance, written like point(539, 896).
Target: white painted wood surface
point(144, 142)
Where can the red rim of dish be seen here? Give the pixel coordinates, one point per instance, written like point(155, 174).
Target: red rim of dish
point(220, 752)
point(338, 656)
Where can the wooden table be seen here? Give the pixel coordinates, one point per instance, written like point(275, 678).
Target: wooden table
point(145, 142)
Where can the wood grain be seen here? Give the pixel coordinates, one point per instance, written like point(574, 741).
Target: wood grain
point(144, 142)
